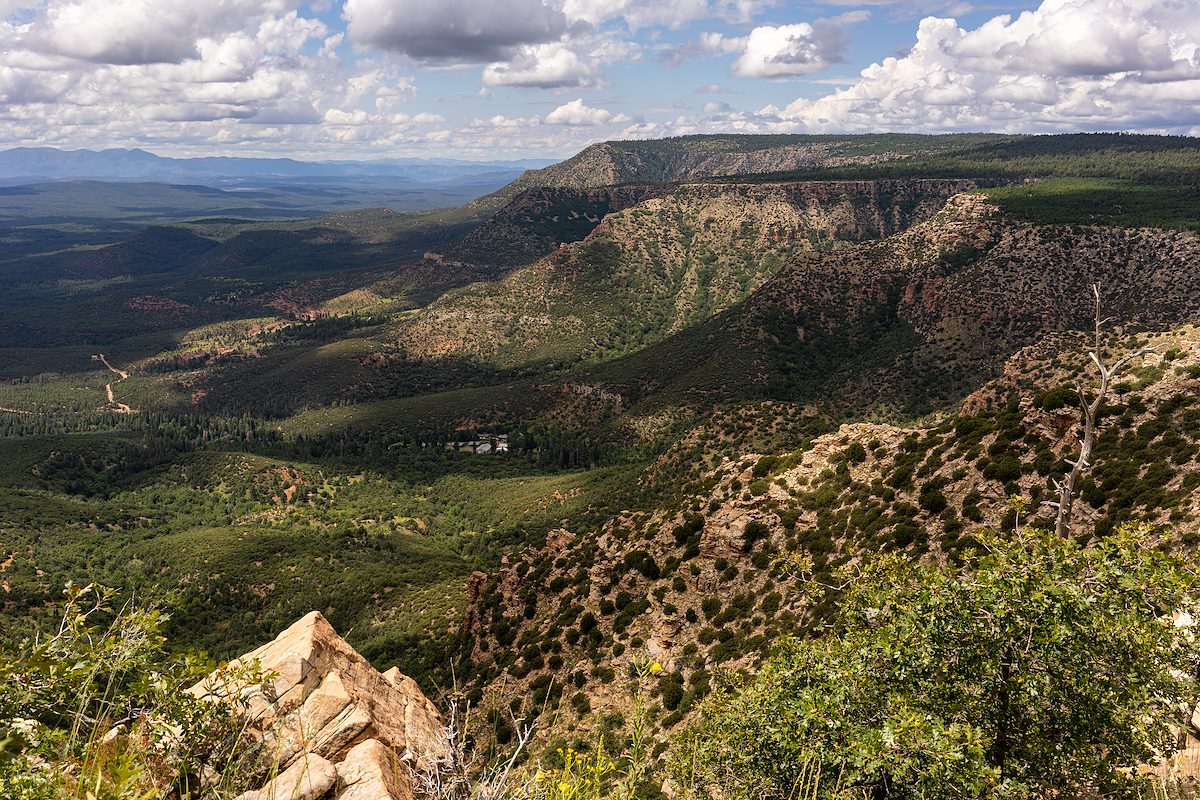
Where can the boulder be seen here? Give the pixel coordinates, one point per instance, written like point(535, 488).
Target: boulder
point(323, 704)
point(309, 778)
point(372, 771)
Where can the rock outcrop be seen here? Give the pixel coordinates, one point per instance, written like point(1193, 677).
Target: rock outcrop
point(609, 163)
point(328, 723)
point(666, 256)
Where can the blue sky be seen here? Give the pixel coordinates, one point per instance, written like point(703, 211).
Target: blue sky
point(544, 78)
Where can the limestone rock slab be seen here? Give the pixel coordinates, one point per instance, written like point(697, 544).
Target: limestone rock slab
point(307, 779)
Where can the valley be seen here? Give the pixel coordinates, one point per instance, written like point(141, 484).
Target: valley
point(723, 366)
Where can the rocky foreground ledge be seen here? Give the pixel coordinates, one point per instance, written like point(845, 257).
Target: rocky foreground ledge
point(328, 723)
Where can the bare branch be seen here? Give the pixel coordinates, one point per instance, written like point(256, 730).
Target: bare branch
point(457, 774)
point(1069, 488)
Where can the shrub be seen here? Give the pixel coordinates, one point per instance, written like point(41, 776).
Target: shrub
point(1005, 469)
point(693, 524)
point(990, 679)
point(671, 689)
point(764, 466)
point(60, 695)
point(932, 499)
point(754, 532)
point(1054, 399)
point(643, 562)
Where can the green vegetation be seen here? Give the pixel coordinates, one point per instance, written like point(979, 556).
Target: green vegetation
point(103, 668)
point(1173, 160)
point(1039, 667)
point(237, 544)
point(1100, 201)
point(290, 435)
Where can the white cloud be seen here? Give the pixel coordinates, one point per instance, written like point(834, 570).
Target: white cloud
point(576, 112)
point(336, 116)
point(289, 33)
point(191, 76)
point(703, 46)
point(500, 121)
point(1068, 65)
point(776, 52)
point(542, 66)
point(136, 31)
point(21, 86)
point(228, 60)
point(722, 121)
point(797, 49)
point(455, 31)
point(256, 86)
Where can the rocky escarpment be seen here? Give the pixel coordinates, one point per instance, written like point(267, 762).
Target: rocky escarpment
point(536, 221)
point(688, 158)
point(916, 321)
point(655, 267)
point(326, 723)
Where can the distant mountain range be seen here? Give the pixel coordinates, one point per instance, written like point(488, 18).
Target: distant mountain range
point(23, 165)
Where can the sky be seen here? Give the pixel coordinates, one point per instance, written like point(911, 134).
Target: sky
point(492, 79)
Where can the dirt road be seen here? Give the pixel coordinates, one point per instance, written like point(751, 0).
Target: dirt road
point(120, 408)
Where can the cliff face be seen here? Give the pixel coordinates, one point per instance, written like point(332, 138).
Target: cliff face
point(917, 320)
point(945, 303)
point(537, 221)
point(688, 158)
point(664, 258)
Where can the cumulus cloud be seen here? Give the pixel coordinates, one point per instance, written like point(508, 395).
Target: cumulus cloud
point(1068, 65)
point(248, 79)
point(542, 66)
point(456, 31)
point(267, 75)
point(502, 122)
point(774, 51)
point(720, 122)
point(23, 86)
point(798, 49)
point(576, 112)
point(135, 31)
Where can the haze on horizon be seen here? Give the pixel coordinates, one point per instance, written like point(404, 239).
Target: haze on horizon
point(491, 79)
